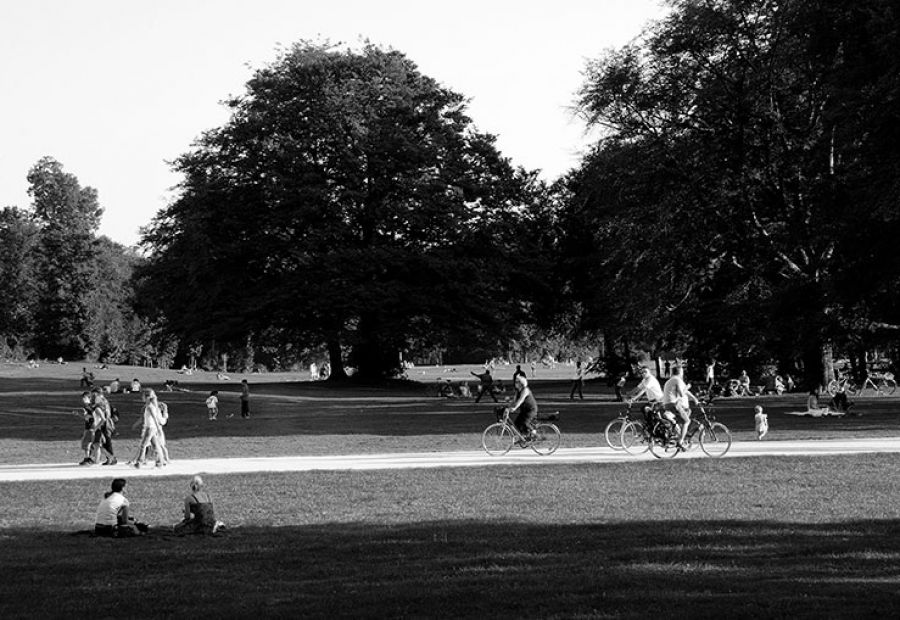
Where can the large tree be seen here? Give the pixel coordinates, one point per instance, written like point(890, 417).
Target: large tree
point(755, 131)
point(349, 201)
point(68, 215)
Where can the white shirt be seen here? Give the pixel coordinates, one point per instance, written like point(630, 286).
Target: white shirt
point(108, 510)
point(675, 391)
point(212, 402)
point(649, 385)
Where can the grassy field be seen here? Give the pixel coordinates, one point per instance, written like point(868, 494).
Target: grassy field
point(765, 537)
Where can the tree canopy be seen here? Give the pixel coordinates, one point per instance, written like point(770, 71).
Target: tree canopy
point(349, 201)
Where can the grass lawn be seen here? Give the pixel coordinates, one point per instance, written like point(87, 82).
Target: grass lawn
point(766, 537)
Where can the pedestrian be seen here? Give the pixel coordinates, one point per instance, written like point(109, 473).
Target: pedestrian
point(212, 405)
point(577, 382)
point(486, 386)
point(710, 375)
point(761, 421)
point(245, 399)
point(90, 422)
point(106, 426)
point(150, 430)
point(533, 368)
point(518, 372)
point(620, 385)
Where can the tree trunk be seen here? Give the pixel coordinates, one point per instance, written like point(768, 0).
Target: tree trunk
point(336, 361)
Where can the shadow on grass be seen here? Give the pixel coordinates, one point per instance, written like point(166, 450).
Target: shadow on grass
point(463, 569)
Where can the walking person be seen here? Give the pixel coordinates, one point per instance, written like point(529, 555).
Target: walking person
point(212, 405)
point(577, 382)
point(150, 430)
point(487, 385)
point(103, 433)
point(245, 399)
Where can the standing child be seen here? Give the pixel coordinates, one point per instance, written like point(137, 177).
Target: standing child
point(212, 405)
point(762, 422)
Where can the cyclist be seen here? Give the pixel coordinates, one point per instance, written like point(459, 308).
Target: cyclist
point(676, 402)
point(524, 406)
point(648, 386)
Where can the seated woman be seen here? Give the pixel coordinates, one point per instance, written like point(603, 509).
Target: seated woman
point(812, 405)
point(199, 515)
point(112, 514)
point(524, 406)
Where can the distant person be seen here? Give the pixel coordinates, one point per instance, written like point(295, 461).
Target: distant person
point(464, 390)
point(812, 405)
point(135, 386)
point(113, 518)
point(839, 402)
point(710, 375)
point(199, 513)
point(151, 426)
point(313, 372)
point(620, 385)
point(486, 386)
point(325, 371)
point(212, 405)
point(90, 424)
point(518, 372)
point(744, 383)
point(533, 368)
point(577, 382)
point(245, 399)
point(87, 378)
point(115, 386)
point(761, 422)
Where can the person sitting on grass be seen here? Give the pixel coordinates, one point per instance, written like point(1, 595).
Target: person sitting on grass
point(113, 519)
point(199, 514)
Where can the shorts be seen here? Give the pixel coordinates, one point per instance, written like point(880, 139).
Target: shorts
point(679, 409)
point(87, 438)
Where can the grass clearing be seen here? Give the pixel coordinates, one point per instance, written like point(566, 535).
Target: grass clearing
point(780, 536)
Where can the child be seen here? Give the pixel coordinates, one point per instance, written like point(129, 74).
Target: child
point(212, 405)
point(762, 422)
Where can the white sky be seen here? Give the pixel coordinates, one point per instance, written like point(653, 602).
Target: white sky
point(113, 89)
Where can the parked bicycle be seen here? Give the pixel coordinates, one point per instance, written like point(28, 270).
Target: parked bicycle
point(883, 384)
point(501, 436)
point(660, 436)
point(843, 383)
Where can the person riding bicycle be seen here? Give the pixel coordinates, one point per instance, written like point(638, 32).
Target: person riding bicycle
point(676, 402)
point(524, 406)
point(648, 386)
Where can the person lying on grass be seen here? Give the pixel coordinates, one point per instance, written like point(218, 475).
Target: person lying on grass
point(112, 518)
point(199, 514)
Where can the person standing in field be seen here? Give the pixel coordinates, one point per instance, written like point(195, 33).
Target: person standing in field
point(761, 422)
point(245, 399)
point(212, 405)
point(577, 382)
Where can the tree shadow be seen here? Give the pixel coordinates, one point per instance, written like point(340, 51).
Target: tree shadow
point(470, 569)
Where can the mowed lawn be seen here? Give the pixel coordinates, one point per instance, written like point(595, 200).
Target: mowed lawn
point(767, 537)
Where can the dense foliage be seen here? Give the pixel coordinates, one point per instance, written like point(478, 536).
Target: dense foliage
point(742, 203)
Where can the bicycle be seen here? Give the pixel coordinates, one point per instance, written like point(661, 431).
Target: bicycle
point(884, 384)
point(613, 430)
point(844, 384)
point(499, 437)
point(660, 436)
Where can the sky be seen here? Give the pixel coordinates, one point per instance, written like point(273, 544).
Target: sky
point(116, 89)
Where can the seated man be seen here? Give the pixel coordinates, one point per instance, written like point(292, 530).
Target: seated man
point(112, 514)
point(676, 402)
point(199, 515)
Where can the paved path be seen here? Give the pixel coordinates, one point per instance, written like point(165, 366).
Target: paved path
point(474, 458)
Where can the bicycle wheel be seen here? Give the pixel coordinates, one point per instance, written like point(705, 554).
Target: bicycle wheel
point(546, 439)
point(832, 387)
point(497, 439)
point(634, 438)
point(715, 440)
point(663, 448)
point(890, 386)
point(613, 433)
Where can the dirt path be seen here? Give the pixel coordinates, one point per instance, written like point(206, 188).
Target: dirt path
point(473, 458)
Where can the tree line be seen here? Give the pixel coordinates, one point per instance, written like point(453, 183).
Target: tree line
point(738, 205)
